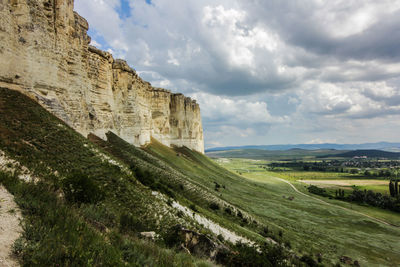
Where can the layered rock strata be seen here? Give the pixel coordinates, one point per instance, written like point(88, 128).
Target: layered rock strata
point(45, 53)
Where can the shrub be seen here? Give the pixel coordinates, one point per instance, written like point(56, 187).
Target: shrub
point(265, 231)
point(228, 210)
point(128, 223)
point(280, 233)
point(246, 255)
point(317, 190)
point(214, 206)
point(79, 188)
point(308, 260)
point(193, 207)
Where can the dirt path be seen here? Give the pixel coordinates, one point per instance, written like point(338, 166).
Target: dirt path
point(10, 228)
point(333, 205)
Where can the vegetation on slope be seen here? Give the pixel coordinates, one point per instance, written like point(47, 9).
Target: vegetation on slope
point(86, 209)
point(203, 196)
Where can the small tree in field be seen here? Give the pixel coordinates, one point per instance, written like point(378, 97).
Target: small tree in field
point(391, 189)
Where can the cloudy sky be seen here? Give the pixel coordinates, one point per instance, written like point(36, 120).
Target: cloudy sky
point(265, 72)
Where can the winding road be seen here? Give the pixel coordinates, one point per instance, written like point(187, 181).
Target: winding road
point(333, 205)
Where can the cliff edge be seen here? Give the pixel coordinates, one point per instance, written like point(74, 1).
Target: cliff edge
point(45, 53)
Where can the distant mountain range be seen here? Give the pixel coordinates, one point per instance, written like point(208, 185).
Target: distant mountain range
point(385, 146)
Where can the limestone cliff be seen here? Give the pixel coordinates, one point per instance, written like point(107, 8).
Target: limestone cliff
point(45, 53)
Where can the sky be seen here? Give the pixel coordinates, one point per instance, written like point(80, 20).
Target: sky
point(265, 71)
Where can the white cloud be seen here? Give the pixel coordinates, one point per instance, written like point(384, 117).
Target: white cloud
point(332, 66)
point(95, 43)
point(321, 141)
point(103, 17)
point(216, 108)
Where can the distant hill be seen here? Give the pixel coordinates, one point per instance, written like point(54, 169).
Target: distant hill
point(386, 146)
point(290, 154)
point(371, 153)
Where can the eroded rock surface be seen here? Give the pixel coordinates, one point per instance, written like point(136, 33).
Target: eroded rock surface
point(45, 53)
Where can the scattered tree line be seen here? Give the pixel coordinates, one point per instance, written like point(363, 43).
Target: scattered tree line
point(394, 188)
point(369, 197)
point(365, 168)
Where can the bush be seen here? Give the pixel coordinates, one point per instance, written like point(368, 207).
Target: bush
point(309, 260)
point(246, 255)
point(228, 210)
point(148, 179)
point(193, 207)
point(128, 223)
point(214, 206)
point(317, 190)
point(265, 231)
point(79, 188)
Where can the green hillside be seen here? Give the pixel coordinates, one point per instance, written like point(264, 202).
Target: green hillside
point(85, 202)
point(99, 227)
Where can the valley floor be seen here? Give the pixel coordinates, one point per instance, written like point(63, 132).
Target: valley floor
point(318, 225)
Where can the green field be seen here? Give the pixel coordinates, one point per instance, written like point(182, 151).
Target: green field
point(312, 225)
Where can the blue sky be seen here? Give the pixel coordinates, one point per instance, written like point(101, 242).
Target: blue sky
point(265, 72)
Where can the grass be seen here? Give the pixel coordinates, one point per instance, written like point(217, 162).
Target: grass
point(194, 180)
point(315, 227)
point(79, 230)
point(87, 206)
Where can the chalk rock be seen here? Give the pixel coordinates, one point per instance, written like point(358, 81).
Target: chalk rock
point(45, 53)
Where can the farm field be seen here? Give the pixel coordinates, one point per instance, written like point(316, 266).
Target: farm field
point(380, 186)
point(331, 227)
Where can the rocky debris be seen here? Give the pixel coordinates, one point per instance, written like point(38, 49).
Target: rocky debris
point(347, 260)
point(14, 167)
point(46, 47)
point(149, 235)
point(195, 243)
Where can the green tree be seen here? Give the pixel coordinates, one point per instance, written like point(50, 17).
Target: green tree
point(391, 189)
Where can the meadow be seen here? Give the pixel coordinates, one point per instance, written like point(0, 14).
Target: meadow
point(312, 225)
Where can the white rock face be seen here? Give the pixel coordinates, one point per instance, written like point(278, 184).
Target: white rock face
point(45, 54)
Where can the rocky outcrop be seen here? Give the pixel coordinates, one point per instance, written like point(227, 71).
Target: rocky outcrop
point(45, 53)
point(195, 243)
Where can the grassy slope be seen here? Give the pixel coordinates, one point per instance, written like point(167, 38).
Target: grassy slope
point(184, 179)
point(312, 225)
point(56, 231)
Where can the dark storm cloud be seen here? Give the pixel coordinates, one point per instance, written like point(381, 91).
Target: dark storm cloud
point(301, 23)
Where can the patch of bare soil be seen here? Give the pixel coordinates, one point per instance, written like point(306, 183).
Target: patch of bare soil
point(10, 228)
